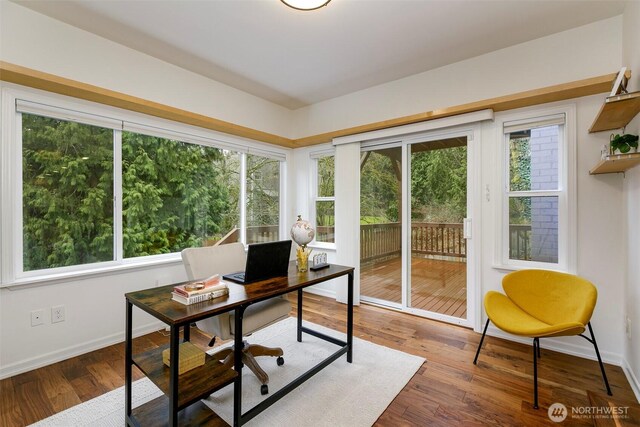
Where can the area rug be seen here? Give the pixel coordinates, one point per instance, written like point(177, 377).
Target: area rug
point(342, 394)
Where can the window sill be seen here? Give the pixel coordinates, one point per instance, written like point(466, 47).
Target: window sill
point(533, 266)
point(323, 246)
point(125, 267)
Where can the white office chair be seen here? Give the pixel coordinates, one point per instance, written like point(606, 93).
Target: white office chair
point(204, 262)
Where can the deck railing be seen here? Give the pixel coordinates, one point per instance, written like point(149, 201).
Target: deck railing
point(520, 242)
point(255, 234)
point(384, 240)
point(438, 239)
point(380, 240)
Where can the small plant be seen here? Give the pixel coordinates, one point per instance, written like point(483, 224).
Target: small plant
point(624, 143)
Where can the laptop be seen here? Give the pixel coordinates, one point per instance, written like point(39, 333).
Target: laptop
point(264, 261)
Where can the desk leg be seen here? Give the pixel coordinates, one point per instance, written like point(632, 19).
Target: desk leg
point(128, 360)
point(174, 356)
point(350, 317)
point(186, 336)
point(237, 366)
point(299, 315)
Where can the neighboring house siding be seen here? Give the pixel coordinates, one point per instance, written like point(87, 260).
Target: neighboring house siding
point(544, 210)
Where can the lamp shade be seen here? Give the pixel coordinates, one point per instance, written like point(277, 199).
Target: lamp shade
point(305, 4)
point(302, 232)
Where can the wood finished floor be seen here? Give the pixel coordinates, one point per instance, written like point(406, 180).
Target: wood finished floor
point(448, 390)
point(436, 285)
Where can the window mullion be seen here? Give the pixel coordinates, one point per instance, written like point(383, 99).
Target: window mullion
point(118, 249)
point(243, 198)
point(534, 193)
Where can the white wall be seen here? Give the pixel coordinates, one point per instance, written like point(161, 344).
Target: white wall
point(600, 231)
point(95, 306)
point(631, 182)
point(588, 51)
point(95, 316)
point(36, 41)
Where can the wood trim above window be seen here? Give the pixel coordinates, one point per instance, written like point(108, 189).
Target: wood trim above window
point(51, 83)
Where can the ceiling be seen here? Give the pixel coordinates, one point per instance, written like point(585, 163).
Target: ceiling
point(295, 58)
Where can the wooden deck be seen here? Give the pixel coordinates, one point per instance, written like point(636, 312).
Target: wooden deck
point(437, 286)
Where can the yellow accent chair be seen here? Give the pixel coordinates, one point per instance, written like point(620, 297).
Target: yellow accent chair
point(543, 304)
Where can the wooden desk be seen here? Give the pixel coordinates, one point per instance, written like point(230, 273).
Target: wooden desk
point(185, 407)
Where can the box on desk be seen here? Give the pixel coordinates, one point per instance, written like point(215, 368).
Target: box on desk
point(190, 357)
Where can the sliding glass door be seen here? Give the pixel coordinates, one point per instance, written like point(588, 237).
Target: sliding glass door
point(438, 277)
point(380, 226)
point(415, 226)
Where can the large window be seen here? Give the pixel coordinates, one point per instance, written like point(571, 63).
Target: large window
point(536, 214)
point(324, 195)
point(67, 193)
point(263, 199)
point(176, 195)
point(96, 191)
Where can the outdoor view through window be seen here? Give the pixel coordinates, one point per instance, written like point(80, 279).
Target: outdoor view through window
point(174, 195)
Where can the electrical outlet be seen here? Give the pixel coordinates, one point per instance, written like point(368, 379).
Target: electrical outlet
point(57, 314)
point(628, 327)
point(37, 317)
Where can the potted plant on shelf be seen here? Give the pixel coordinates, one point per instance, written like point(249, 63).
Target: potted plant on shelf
point(624, 144)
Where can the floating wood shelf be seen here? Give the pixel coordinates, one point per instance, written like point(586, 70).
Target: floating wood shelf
point(616, 112)
point(616, 163)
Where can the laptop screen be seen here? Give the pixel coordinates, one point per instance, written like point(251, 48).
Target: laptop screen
point(267, 260)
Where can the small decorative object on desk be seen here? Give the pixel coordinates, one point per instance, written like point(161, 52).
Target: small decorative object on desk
point(190, 357)
point(302, 233)
point(319, 261)
point(201, 290)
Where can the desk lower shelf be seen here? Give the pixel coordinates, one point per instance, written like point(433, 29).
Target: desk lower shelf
point(194, 385)
point(156, 413)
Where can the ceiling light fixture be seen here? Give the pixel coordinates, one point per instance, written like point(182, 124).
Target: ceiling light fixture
point(306, 4)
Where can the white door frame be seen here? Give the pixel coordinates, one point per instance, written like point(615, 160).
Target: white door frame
point(474, 199)
point(473, 134)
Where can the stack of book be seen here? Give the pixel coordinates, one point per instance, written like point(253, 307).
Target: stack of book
point(202, 290)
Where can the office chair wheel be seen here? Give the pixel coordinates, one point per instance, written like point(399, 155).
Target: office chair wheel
point(280, 361)
point(264, 389)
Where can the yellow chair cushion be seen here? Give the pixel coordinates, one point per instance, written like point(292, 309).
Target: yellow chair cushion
point(551, 297)
point(509, 317)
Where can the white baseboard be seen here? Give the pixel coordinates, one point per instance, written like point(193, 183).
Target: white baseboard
point(633, 381)
point(321, 292)
point(562, 346)
point(76, 350)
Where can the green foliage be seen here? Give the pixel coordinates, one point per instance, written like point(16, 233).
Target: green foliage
point(439, 185)
point(263, 191)
point(326, 176)
point(174, 196)
point(520, 164)
point(380, 192)
point(624, 143)
point(520, 179)
point(67, 193)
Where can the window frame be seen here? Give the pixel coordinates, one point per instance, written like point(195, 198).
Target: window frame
point(11, 211)
point(566, 191)
point(315, 198)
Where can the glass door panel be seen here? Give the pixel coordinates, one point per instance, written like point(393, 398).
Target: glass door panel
point(380, 227)
point(438, 268)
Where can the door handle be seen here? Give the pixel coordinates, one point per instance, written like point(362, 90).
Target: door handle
point(466, 228)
